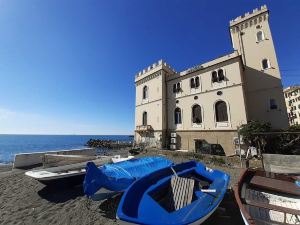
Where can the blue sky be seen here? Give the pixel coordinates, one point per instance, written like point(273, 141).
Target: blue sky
point(68, 66)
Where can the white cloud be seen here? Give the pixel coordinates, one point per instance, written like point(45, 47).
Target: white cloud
point(12, 122)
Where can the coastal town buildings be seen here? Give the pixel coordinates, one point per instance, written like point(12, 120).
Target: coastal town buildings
point(292, 101)
point(204, 105)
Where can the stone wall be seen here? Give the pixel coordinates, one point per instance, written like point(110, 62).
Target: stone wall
point(186, 139)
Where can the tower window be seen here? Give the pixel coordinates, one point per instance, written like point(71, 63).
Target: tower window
point(144, 118)
point(174, 88)
point(265, 64)
point(221, 111)
point(145, 92)
point(273, 104)
point(196, 114)
point(260, 36)
point(177, 115)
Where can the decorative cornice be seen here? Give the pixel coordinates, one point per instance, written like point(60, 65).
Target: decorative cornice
point(147, 78)
point(153, 66)
point(248, 15)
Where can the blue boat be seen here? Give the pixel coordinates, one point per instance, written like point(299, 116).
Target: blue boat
point(147, 200)
point(119, 176)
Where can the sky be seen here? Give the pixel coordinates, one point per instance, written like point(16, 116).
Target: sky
point(68, 66)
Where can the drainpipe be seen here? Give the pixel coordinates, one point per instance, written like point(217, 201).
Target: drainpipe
point(242, 49)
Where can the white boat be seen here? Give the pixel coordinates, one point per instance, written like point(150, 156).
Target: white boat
point(67, 174)
point(118, 158)
point(53, 160)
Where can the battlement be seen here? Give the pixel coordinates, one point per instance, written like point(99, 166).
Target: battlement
point(248, 15)
point(160, 64)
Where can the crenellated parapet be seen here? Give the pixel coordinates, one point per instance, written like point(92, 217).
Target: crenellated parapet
point(153, 68)
point(249, 19)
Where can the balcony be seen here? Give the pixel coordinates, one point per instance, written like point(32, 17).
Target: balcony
point(143, 128)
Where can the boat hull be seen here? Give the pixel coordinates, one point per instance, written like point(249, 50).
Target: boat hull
point(73, 180)
point(269, 198)
point(64, 175)
point(150, 204)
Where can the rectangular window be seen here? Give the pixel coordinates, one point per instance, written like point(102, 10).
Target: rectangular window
point(273, 104)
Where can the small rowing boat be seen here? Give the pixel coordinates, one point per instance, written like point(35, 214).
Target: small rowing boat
point(187, 193)
point(68, 174)
point(266, 198)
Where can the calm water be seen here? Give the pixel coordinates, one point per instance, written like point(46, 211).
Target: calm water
point(12, 144)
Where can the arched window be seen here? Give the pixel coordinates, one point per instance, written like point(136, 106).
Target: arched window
point(145, 92)
point(221, 111)
point(144, 118)
point(259, 36)
point(221, 75)
point(193, 83)
point(197, 82)
point(265, 64)
point(214, 77)
point(177, 114)
point(196, 114)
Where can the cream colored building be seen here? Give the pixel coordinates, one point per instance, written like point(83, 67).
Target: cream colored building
point(292, 101)
point(208, 102)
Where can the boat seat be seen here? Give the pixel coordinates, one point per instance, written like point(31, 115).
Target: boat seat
point(182, 191)
point(275, 185)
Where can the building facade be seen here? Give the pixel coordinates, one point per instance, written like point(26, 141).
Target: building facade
point(292, 101)
point(204, 105)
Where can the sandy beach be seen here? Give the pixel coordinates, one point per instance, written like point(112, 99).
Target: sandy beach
point(26, 201)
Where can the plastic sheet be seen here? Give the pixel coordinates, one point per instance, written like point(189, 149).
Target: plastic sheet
point(119, 176)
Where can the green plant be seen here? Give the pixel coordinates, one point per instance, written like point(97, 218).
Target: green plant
point(252, 134)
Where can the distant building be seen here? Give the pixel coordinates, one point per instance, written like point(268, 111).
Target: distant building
point(205, 104)
point(292, 101)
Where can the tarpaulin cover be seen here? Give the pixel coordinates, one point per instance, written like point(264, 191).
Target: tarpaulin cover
point(118, 176)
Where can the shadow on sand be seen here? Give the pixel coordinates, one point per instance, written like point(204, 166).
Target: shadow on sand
point(60, 193)
point(227, 213)
point(108, 208)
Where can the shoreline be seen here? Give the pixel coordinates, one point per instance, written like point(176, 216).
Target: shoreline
point(26, 201)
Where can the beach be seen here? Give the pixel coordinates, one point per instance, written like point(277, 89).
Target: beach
point(26, 201)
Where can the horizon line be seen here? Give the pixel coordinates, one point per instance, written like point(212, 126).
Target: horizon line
point(73, 134)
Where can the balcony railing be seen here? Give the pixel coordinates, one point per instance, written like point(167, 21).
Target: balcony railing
point(144, 128)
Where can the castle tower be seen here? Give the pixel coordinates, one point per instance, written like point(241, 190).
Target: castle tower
point(150, 110)
point(251, 37)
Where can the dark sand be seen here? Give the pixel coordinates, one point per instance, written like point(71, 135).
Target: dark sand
point(26, 201)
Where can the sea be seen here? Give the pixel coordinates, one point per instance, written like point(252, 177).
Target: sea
point(13, 144)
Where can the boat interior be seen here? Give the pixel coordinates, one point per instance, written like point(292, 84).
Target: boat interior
point(164, 194)
point(156, 192)
point(270, 199)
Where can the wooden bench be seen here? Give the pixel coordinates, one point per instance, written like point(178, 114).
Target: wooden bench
point(275, 185)
point(182, 191)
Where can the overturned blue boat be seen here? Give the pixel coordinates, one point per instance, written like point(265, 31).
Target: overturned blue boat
point(187, 193)
point(119, 176)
